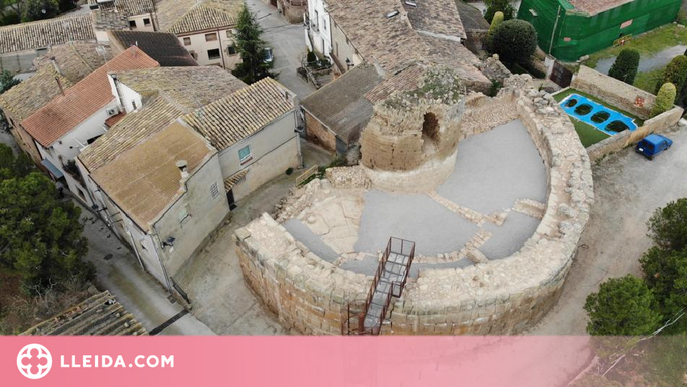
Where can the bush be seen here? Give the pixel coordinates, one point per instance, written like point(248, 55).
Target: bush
point(311, 57)
point(625, 66)
point(668, 226)
point(515, 41)
point(664, 99)
point(675, 73)
point(39, 10)
point(622, 307)
point(498, 19)
point(494, 6)
point(7, 81)
point(66, 5)
point(289, 171)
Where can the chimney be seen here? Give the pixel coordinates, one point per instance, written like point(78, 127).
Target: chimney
point(59, 84)
point(183, 168)
point(56, 66)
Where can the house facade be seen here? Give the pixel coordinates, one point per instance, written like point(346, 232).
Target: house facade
point(318, 29)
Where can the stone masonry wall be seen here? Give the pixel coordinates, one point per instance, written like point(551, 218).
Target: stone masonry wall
point(317, 133)
point(499, 297)
point(613, 91)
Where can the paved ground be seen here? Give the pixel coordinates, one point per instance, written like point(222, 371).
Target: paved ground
point(657, 60)
point(288, 42)
point(494, 172)
point(628, 189)
point(122, 275)
point(214, 281)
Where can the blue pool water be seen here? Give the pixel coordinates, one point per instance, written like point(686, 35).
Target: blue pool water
point(600, 117)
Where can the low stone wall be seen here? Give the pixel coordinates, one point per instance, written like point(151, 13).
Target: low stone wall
point(613, 91)
point(658, 124)
point(499, 297)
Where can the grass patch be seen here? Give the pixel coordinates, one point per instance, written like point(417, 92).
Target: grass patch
point(647, 44)
point(648, 80)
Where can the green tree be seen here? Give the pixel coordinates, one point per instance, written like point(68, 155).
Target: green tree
point(252, 49)
point(39, 10)
point(498, 19)
point(622, 307)
point(7, 81)
point(675, 73)
point(494, 6)
point(668, 226)
point(665, 273)
point(664, 99)
point(66, 5)
point(40, 237)
point(515, 41)
point(625, 66)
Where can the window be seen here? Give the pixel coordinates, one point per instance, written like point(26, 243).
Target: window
point(214, 191)
point(146, 22)
point(194, 55)
point(80, 192)
point(245, 155)
point(187, 41)
point(210, 37)
point(183, 214)
point(213, 54)
point(132, 23)
point(316, 19)
point(231, 50)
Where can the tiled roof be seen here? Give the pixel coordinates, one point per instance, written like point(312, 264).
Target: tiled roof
point(234, 179)
point(189, 87)
point(76, 59)
point(81, 101)
point(106, 20)
point(436, 17)
point(185, 16)
point(162, 46)
point(408, 79)
point(240, 115)
point(145, 179)
point(42, 34)
point(23, 100)
point(99, 315)
point(130, 131)
point(341, 105)
point(130, 7)
point(592, 7)
point(472, 18)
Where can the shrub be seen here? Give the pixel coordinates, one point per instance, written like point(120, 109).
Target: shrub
point(494, 6)
point(625, 66)
point(66, 5)
point(39, 10)
point(515, 41)
point(289, 171)
point(498, 19)
point(311, 57)
point(668, 226)
point(7, 81)
point(622, 307)
point(675, 73)
point(665, 273)
point(664, 99)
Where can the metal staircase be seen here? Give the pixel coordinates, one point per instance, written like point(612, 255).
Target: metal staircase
point(389, 282)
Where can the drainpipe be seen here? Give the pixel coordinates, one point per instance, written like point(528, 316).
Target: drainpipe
point(555, 25)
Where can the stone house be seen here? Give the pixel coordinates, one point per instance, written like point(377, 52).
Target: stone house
point(204, 28)
point(80, 114)
point(109, 15)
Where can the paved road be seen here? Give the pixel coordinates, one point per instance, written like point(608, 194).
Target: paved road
point(288, 43)
point(628, 189)
point(660, 59)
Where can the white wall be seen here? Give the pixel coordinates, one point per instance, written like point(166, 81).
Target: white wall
point(320, 27)
point(199, 48)
point(140, 22)
point(274, 149)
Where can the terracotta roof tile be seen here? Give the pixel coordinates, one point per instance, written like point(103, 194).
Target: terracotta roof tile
point(81, 101)
point(185, 16)
point(76, 59)
point(238, 116)
point(436, 17)
point(42, 34)
point(145, 179)
point(26, 98)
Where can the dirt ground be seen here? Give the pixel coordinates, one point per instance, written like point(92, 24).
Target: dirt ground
point(628, 189)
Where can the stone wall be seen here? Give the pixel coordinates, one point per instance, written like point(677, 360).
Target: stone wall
point(613, 91)
point(317, 133)
point(658, 124)
point(499, 297)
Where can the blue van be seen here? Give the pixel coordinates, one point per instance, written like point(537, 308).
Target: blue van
point(652, 145)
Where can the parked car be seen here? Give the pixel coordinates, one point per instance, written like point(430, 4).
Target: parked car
point(652, 145)
point(269, 57)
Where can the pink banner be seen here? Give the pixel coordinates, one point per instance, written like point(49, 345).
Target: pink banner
point(292, 361)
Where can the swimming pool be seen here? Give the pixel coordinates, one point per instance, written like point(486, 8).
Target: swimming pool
point(600, 117)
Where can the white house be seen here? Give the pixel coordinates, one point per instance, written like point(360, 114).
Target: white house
point(318, 34)
point(77, 117)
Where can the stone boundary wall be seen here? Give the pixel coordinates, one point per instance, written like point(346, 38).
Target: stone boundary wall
point(613, 91)
point(499, 297)
point(658, 124)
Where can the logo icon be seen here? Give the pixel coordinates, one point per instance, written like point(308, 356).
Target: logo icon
point(34, 361)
